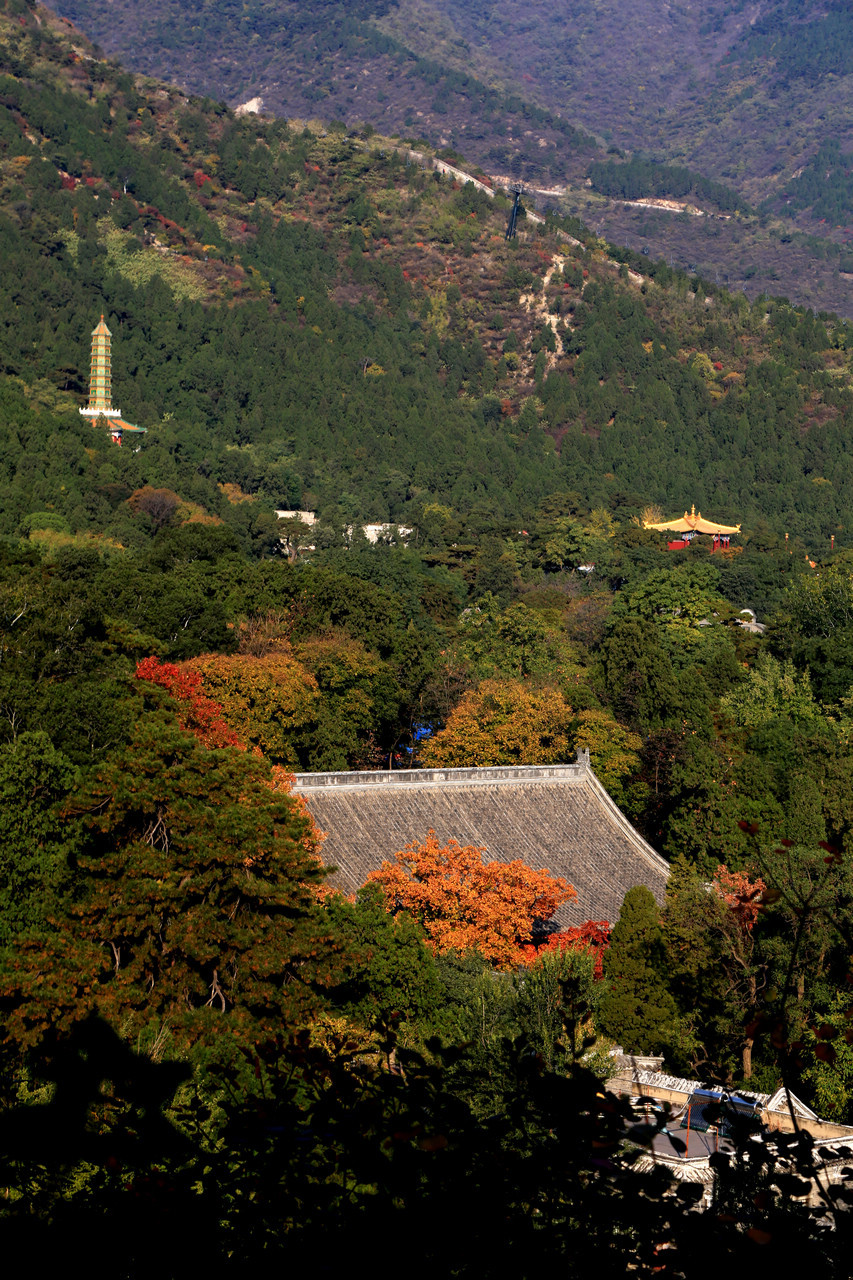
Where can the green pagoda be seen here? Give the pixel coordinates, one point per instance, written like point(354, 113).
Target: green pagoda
point(100, 408)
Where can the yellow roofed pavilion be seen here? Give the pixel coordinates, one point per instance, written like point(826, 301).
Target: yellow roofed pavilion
point(693, 523)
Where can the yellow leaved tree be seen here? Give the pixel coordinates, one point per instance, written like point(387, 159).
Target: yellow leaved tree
point(503, 722)
point(271, 702)
point(613, 751)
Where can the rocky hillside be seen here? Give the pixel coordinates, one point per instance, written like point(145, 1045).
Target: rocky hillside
point(744, 95)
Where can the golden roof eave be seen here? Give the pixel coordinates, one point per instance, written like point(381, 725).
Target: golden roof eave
point(692, 523)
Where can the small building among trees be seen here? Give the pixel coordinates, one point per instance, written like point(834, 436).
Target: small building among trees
point(688, 526)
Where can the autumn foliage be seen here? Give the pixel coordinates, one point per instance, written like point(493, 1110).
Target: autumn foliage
point(219, 873)
point(593, 936)
point(160, 505)
point(503, 722)
point(202, 717)
point(273, 699)
point(741, 895)
point(199, 714)
point(464, 903)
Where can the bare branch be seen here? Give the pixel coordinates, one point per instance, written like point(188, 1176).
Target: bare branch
point(216, 992)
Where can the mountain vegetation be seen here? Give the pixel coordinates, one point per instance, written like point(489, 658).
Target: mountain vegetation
point(390, 306)
point(200, 1041)
point(741, 97)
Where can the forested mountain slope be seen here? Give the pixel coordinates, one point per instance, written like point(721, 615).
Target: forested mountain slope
point(317, 320)
point(743, 90)
point(329, 61)
point(749, 95)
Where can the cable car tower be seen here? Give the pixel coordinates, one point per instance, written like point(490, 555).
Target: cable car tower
point(511, 226)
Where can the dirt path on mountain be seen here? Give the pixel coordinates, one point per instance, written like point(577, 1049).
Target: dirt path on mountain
point(536, 304)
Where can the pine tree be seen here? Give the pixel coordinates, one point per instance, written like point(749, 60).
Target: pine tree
point(196, 910)
point(35, 844)
point(638, 1010)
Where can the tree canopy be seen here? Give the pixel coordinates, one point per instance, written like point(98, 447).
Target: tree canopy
point(463, 902)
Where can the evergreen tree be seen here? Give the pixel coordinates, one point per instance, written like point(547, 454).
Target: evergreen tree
point(639, 675)
point(638, 1010)
point(197, 913)
point(35, 844)
point(388, 975)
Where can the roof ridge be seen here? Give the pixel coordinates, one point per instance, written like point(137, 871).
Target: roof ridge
point(576, 771)
point(642, 846)
point(681, 1084)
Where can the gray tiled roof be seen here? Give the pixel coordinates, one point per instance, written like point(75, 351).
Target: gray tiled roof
point(558, 817)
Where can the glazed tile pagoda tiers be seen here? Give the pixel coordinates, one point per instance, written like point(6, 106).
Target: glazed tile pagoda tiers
point(688, 526)
point(100, 408)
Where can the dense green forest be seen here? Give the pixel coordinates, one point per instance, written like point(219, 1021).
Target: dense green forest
point(196, 1035)
point(825, 186)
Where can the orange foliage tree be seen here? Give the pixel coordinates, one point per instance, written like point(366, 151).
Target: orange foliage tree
point(503, 722)
point(270, 701)
point(464, 903)
point(741, 895)
point(737, 961)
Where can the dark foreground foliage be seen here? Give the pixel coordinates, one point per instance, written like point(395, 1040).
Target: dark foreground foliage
point(305, 1158)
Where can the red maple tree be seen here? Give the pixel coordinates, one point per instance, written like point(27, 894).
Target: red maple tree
point(198, 714)
point(592, 936)
point(464, 903)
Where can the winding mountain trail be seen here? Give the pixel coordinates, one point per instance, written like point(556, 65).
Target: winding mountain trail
point(534, 302)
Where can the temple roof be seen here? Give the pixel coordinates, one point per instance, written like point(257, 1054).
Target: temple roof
point(101, 328)
point(695, 523)
point(558, 817)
